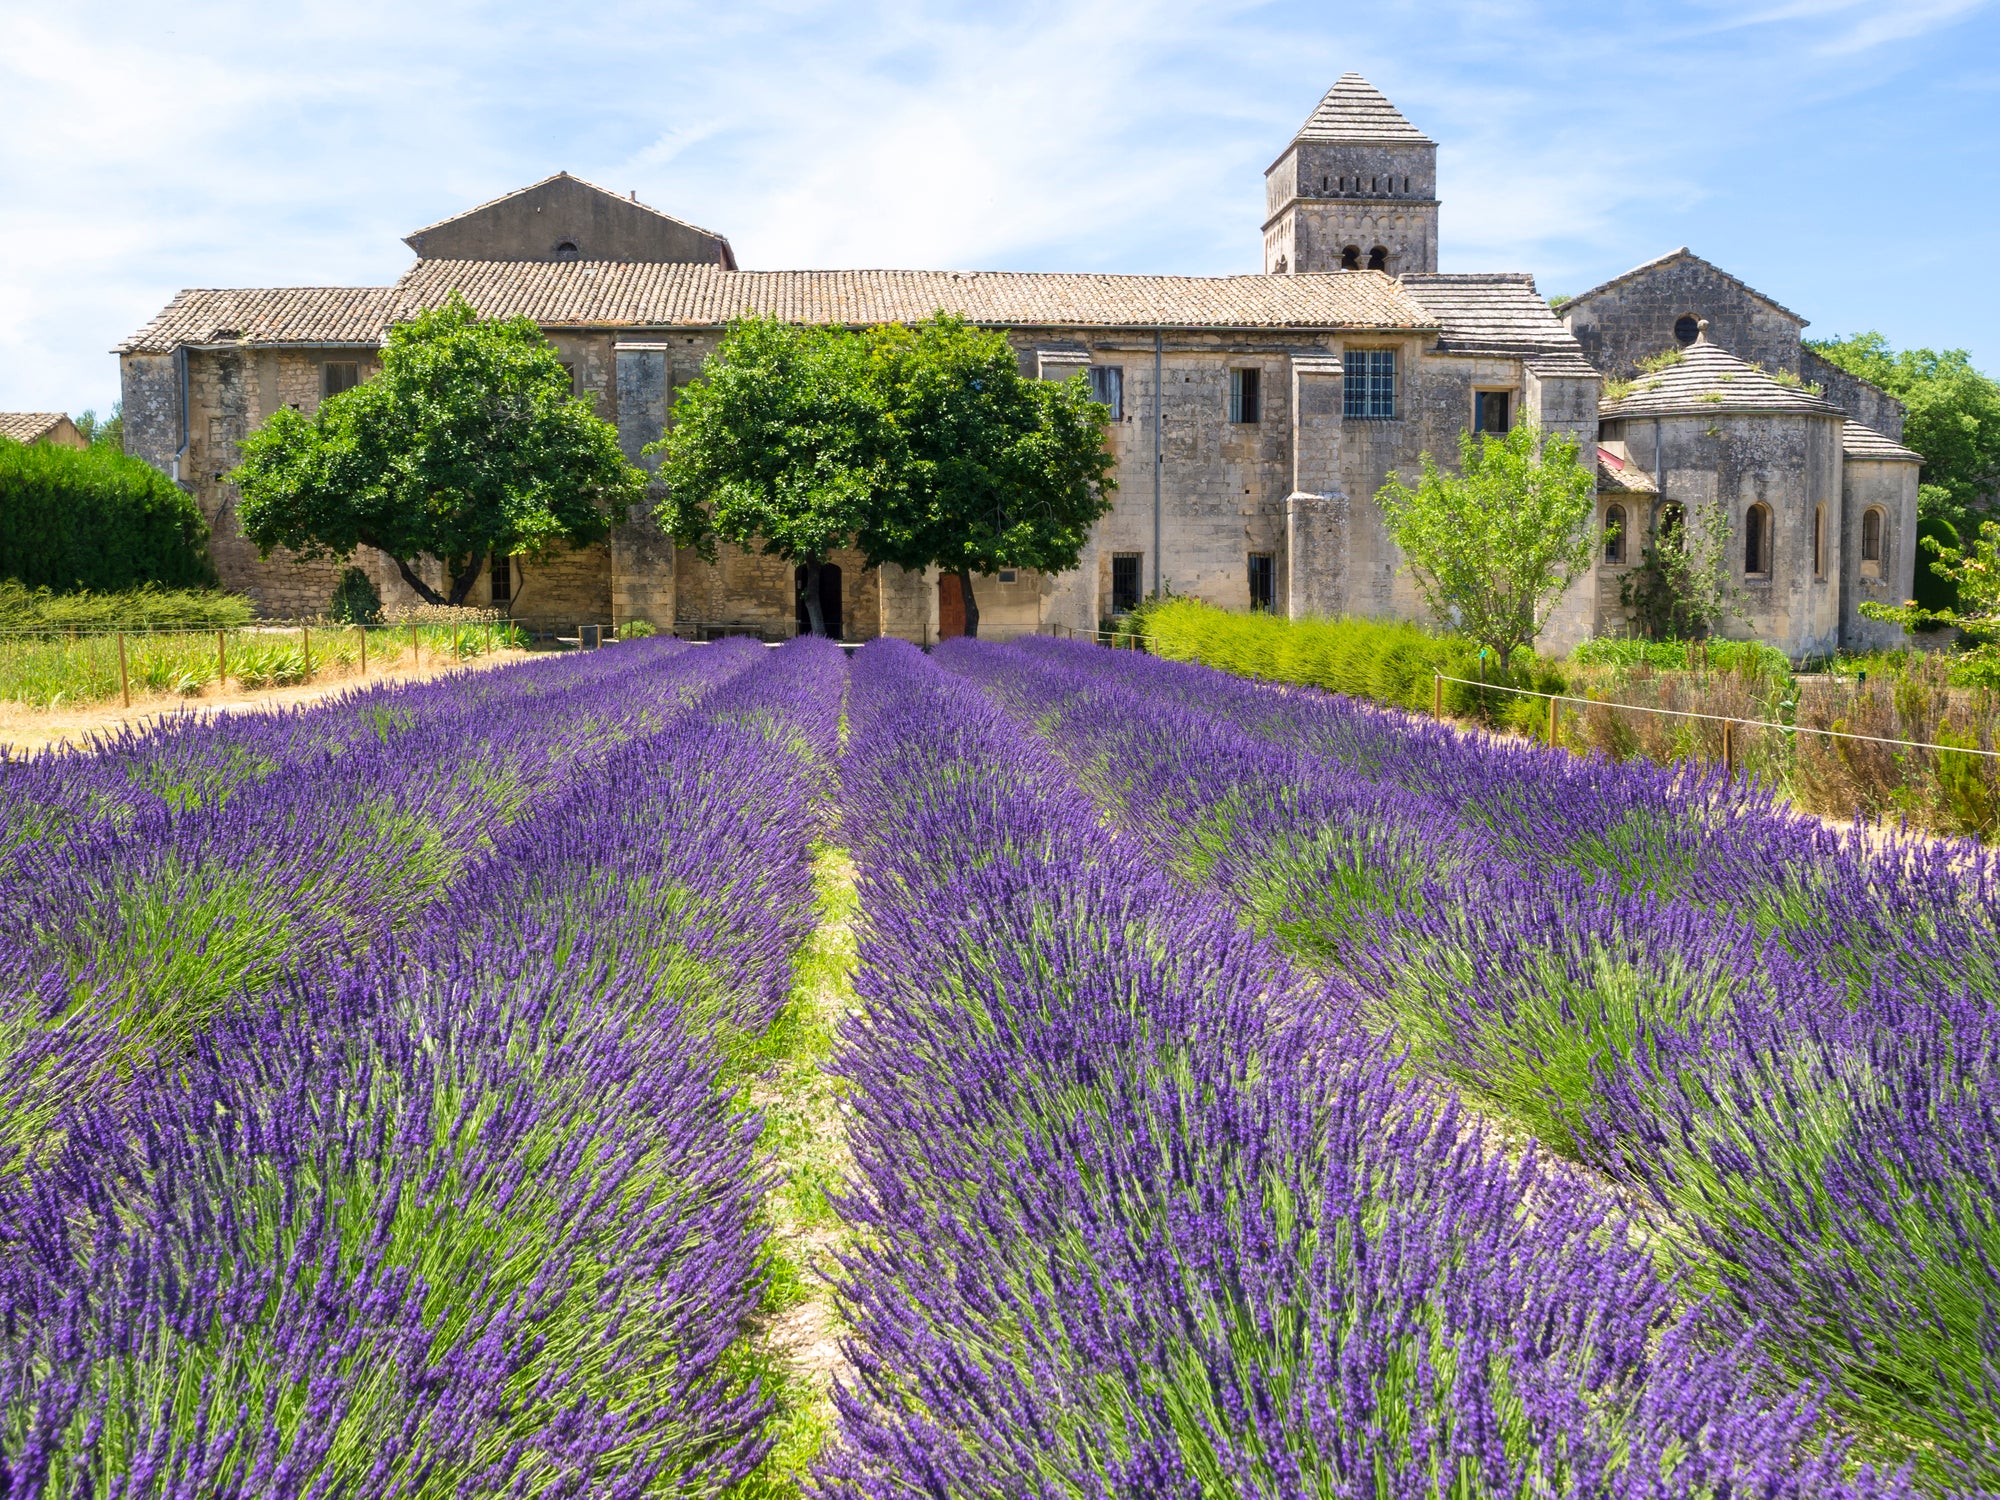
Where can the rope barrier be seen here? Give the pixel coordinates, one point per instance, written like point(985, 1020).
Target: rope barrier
point(1688, 713)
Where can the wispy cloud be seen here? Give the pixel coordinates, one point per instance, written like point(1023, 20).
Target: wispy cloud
point(218, 142)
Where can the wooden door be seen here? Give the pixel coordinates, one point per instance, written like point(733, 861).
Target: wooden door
point(951, 607)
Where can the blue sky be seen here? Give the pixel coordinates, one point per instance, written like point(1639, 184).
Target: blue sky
point(1841, 155)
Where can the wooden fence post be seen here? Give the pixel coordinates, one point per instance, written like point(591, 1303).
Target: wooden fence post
point(364, 648)
point(306, 649)
point(124, 681)
point(221, 659)
point(1437, 695)
point(1552, 721)
point(1729, 749)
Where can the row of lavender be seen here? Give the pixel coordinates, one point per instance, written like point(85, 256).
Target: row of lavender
point(408, 1167)
point(1779, 1041)
point(1146, 1208)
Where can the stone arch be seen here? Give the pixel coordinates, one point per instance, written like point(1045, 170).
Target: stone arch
point(1378, 258)
point(1350, 258)
point(1874, 540)
point(1614, 534)
point(1757, 540)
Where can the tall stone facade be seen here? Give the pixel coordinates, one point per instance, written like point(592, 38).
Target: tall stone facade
point(1254, 418)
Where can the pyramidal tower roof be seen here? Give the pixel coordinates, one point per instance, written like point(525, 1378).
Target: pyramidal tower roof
point(1355, 110)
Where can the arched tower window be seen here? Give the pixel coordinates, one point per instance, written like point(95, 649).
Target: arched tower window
point(1614, 534)
point(1872, 525)
point(1378, 259)
point(1757, 541)
point(1687, 328)
point(566, 250)
point(1819, 541)
point(1350, 258)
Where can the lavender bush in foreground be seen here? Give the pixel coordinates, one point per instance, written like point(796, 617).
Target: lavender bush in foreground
point(1145, 1211)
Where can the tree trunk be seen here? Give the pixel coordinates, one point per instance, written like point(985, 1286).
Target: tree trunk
point(462, 584)
point(424, 591)
point(971, 604)
point(815, 617)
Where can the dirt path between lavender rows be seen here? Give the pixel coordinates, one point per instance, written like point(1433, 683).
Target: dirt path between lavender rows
point(25, 729)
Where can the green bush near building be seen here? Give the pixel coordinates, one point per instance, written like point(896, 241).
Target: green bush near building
point(94, 519)
point(147, 608)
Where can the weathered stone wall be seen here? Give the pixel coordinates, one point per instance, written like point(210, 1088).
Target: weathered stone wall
point(1323, 196)
point(531, 225)
point(1868, 404)
point(750, 592)
point(149, 390)
point(564, 588)
point(1891, 487)
point(1635, 319)
point(1728, 462)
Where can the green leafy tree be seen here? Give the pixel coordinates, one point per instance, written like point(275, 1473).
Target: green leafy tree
point(783, 445)
point(1974, 575)
point(1494, 546)
point(992, 470)
point(1680, 589)
point(1953, 420)
point(104, 432)
point(469, 444)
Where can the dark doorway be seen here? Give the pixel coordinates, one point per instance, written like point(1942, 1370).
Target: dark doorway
point(829, 599)
point(951, 607)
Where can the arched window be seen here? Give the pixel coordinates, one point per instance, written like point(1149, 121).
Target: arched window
point(1819, 541)
point(1378, 259)
point(1672, 522)
point(1757, 541)
point(1614, 534)
point(1872, 521)
point(1350, 258)
point(566, 250)
point(1687, 328)
point(1284, 265)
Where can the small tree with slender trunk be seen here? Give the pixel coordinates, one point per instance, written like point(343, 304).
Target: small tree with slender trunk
point(470, 444)
point(1495, 546)
point(783, 445)
point(992, 470)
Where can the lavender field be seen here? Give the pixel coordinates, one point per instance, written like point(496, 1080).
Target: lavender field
point(470, 1089)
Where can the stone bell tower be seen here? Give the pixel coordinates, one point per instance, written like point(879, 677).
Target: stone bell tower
point(1355, 191)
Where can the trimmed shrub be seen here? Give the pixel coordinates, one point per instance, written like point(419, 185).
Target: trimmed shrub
point(1387, 661)
point(161, 609)
point(93, 518)
point(637, 630)
point(355, 601)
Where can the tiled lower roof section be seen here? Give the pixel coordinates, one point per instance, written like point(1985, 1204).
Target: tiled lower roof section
point(1859, 441)
point(607, 294)
point(1492, 313)
point(29, 426)
point(1617, 474)
point(267, 315)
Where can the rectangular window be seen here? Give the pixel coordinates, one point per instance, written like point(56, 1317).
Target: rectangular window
point(503, 582)
point(1491, 412)
point(1107, 387)
point(1008, 575)
point(1263, 581)
point(1127, 586)
point(1243, 393)
point(337, 376)
point(1369, 387)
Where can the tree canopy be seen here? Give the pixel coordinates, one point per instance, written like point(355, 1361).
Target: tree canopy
point(469, 444)
point(1494, 546)
point(991, 470)
point(784, 444)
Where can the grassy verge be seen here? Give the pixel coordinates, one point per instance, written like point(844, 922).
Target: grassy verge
point(795, 1351)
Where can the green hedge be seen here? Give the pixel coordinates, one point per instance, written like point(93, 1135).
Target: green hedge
point(181, 609)
point(1388, 661)
point(92, 518)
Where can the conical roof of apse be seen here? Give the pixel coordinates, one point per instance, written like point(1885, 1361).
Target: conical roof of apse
point(1355, 110)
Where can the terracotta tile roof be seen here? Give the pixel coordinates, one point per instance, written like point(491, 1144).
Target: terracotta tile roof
point(1616, 473)
point(267, 315)
point(30, 426)
point(1707, 378)
point(1683, 253)
point(1858, 441)
point(600, 293)
point(1496, 313)
point(1355, 110)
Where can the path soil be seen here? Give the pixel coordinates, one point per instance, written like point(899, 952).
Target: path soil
point(25, 728)
point(800, 1099)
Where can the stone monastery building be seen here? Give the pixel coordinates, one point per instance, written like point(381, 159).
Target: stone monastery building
point(1255, 416)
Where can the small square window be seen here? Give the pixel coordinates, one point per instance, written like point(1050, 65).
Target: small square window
point(1492, 412)
point(337, 376)
point(1263, 581)
point(1369, 385)
point(1243, 394)
point(1127, 586)
point(1107, 387)
point(1008, 575)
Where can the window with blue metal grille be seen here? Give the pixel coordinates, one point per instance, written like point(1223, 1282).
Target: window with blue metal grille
point(1370, 384)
